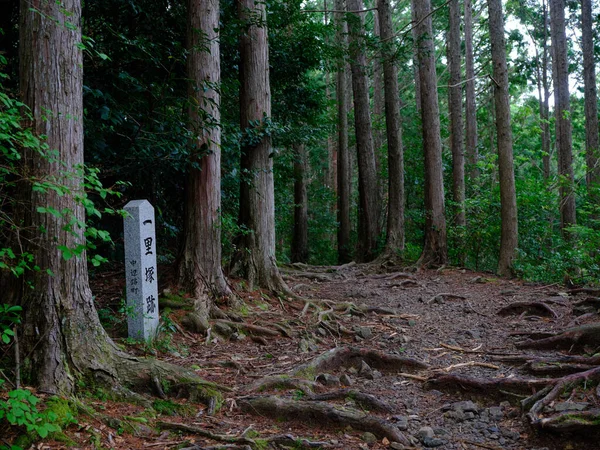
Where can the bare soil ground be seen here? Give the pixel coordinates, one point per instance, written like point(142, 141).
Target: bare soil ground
point(396, 334)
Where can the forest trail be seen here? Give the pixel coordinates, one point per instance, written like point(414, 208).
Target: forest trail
point(395, 334)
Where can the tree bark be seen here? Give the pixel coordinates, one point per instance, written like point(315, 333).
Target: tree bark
point(562, 110)
point(592, 140)
point(545, 107)
point(199, 267)
point(508, 197)
point(435, 250)
point(300, 234)
point(343, 172)
point(415, 38)
point(257, 197)
point(456, 119)
point(394, 245)
point(470, 104)
point(369, 201)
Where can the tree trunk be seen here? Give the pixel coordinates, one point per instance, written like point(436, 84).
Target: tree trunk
point(300, 235)
point(470, 105)
point(563, 115)
point(368, 209)
point(456, 119)
point(394, 245)
point(545, 107)
point(199, 268)
point(435, 250)
point(257, 197)
point(343, 172)
point(508, 197)
point(592, 141)
point(61, 335)
point(378, 117)
point(415, 38)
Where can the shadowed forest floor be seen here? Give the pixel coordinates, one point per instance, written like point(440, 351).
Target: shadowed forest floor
point(395, 333)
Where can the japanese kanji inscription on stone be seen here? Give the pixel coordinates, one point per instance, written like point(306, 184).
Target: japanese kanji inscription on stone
point(140, 268)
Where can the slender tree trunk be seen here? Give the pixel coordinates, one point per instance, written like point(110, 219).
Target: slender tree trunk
point(435, 249)
point(545, 107)
point(470, 104)
point(592, 140)
point(257, 197)
point(394, 245)
point(563, 115)
point(415, 38)
point(456, 119)
point(300, 235)
point(369, 201)
point(508, 197)
point(199, 268)
point(378, 117)
point(343, 172)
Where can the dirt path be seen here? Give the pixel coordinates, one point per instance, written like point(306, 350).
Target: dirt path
point(447, 320)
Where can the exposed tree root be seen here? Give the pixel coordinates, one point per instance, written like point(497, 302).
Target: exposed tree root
point(284, 382)
point(323, 414)
point(250, 328)
point(495, 387)
point(550, 395)
point(205, 433)
point(571, 337)
point(551, 366)
point(539, 308)
point(440, 298)
point(570, 421)
point(167, 380)
point(366, 401)
point(353, 356)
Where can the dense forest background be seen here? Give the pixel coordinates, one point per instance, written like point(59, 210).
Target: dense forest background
point(137, 132)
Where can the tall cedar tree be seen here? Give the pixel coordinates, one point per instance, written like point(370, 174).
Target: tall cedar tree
point(456, 118)
point(592, 141)
point(200, 262)
point(62, 337)
point(564, 144)
point(368, 193)
point(394, 244)
point(257, 196)
point(470, 105)
point(300, 233)
point(544, 94)
point(343, 159)
point(508, 197)
point(435, 249)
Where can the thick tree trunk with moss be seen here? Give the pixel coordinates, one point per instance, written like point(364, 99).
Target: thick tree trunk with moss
point(456, 118)
point(300, 234)
point(564, 143)
point(508, 197)
point(62, 340)
point(257, 196)
point(435, 249)
point(592, 140)
point(343, 169)
point(369, 201)
point(199, 268)
point(394, 244)
point(470, 104)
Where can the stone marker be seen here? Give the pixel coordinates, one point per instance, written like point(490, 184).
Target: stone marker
point(140, 270)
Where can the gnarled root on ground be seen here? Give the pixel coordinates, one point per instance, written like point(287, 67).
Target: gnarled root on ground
point(164, 380)
point(495, 387)
point(537, 308)
point(353, 356)
point(323, 414)
point(366, 401)
point(284, 382)
point(584, 335)
point(565, 421)
point(562, 365)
